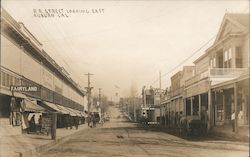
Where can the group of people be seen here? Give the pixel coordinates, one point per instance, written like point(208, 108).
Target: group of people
point(72, 121)
point(91, 120)
point(33, 127)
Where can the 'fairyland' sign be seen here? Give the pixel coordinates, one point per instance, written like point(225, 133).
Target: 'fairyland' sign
point(23, 88)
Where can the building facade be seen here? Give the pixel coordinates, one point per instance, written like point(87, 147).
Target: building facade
point(24, 63)
point(221, 82)
point(218, 84)
point(173, 105)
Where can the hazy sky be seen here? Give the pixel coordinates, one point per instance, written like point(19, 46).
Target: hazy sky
point(127, 44)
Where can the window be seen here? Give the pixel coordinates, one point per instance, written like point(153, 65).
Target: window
point(230, 53)
point(214, 62)
point(238, 58)
point(211, 63)
point(225, 56)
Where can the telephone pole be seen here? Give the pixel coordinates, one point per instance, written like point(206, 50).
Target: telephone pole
point(89, 91)
point(160, 80)
point(100, 100)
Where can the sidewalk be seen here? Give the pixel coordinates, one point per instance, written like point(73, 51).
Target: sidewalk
point(27, 145)
point(226, 132)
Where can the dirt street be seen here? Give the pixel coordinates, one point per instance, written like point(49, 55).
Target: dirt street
point(123, 139)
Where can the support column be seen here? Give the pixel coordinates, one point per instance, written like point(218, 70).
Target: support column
point(53, 126)
point(209, 124)
point(224, 106)
point(165, 111)
point(199, 105)
point(191, 106)
point(160, 114)
point(235, 107)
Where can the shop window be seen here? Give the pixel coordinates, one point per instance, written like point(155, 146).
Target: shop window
point(188, 107)
point(219, 112)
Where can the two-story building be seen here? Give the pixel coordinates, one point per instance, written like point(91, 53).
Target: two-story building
point(173, 104)
point(30, 78)
point(221, 82)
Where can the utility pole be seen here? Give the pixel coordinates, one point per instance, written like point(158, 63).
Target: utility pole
point(160, 80)
point(160, 98)
point(100, 100)
point(89, 91)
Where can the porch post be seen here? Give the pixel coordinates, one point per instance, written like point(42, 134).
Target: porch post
point(199, 105)
point(235, 108)
point(209, 109)
point(191, 106)
point(224, 107)
point(165, 113)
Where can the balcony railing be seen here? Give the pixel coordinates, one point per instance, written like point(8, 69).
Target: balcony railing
point(197, 78)
point(217, 73)
point(227, 72)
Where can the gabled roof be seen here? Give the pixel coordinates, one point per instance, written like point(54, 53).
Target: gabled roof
point(240, 20)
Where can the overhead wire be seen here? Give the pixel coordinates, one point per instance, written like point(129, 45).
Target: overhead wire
point(185, 60)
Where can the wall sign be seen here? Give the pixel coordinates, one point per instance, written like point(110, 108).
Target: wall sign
point(23, 88)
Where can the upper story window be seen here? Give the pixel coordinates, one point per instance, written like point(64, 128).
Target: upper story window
point(238, 57)
point(225, 56)
point(213, 62)
point(228, 58)
point(229, 53)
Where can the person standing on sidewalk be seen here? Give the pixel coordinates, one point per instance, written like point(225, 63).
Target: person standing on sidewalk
point(233, 121)
point(40, 124)
point(32, 124)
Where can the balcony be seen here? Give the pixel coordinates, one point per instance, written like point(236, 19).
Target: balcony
point(227, 72)
point(223, 74)
point(197, 78)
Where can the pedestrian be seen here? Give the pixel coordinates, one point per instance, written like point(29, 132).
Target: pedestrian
point(89, 119)
point(32, 124)
point(76, 122)
point(71, 122)
point(233, 121)
point(40, 124)
point(93, 120)
point(66, 121)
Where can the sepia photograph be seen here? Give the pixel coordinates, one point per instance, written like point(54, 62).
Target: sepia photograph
point(124, 78)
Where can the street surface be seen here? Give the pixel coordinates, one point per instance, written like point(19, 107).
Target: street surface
point(120, 138)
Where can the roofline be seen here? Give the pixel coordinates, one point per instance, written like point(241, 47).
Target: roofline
point(13, 23)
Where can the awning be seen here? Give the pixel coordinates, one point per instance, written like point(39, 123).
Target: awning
point(31, 106)
point(70, 111)
point(55, 107)
point(63, 109)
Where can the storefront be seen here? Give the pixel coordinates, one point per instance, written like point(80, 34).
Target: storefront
point(31, 115)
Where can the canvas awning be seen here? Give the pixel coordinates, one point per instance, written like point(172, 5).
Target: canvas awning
point(30, 105)
point(70, 111)
point(55, 107)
